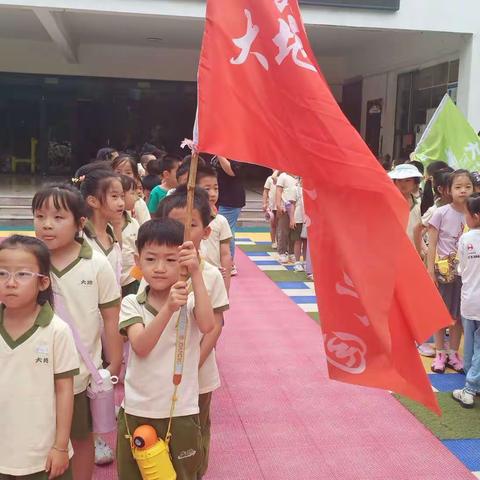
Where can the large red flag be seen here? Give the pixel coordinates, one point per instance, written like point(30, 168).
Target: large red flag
point(262, 99)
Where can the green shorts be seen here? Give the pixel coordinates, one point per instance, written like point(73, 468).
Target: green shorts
point(39, 476)
point(185, 445)
point(82, 417)
point(296, 232)
point(204, 403)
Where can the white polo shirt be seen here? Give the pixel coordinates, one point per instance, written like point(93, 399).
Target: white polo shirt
point(129, 248)
point(208, 376)
point(220, 233)
point(148, 381)
point(113, 253)
point(87, 285)
point(141, 212)
point(272, 190)
point(29, 367)
point(469, 267)
point(289, 184)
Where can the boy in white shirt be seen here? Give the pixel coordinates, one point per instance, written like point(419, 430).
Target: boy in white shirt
point(174, 207)
point(285, 198)
point(269, 206)
point(215, 249)
point(149, 320)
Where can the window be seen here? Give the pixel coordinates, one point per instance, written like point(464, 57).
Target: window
point(418, 95)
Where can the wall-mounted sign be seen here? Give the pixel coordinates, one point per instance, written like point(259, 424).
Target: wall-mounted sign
point(370, 4)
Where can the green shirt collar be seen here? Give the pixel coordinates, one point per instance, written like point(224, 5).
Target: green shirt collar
point(90, 229)
point(43, 319)
point(142, 299)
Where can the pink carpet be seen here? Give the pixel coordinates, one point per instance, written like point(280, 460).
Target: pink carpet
point(278, 417)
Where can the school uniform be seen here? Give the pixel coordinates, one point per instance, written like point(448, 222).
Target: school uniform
point(208, 375)
point(129, 249)
point(289, 194)
point(220, 234)
point(141, 212)
point(149, 389)
point(113, 253)
point(85, 287)
point(29, 367)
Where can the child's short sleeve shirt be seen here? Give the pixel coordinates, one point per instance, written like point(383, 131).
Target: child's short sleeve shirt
point(469, 266)
point(142, 214)
point(148, 381)
point(129, 248)
point(209, 378)
point(85, 287)
point(30, 366)
point(450, 225)
point(220, 233)
point(288, 183)
point(272, 189)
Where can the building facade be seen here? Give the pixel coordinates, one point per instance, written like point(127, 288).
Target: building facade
point(76, 76)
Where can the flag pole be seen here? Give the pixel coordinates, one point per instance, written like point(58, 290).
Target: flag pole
point(192, 180)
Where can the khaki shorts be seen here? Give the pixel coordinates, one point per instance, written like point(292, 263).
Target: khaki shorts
point(39, 476)
point(82, 417)
point(185, 445)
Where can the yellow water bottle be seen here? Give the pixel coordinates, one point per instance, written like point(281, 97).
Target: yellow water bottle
point(152, 455)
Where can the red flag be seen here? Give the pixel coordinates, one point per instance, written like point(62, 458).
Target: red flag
point(262, 99)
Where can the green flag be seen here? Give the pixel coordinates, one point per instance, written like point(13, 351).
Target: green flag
point(449, 137)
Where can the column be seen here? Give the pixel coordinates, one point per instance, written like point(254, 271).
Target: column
point(468, 98)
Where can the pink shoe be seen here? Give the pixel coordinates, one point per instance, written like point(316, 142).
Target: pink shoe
point(455, 362)
point(440, 363)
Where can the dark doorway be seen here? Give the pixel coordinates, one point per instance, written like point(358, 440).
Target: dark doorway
point(374, 125)
point(352, 102)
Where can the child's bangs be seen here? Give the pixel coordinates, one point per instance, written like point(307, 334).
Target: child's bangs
point(59, 198)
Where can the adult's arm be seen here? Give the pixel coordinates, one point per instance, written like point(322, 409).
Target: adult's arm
point(226, 166)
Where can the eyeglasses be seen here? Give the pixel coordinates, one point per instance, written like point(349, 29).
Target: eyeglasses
point(21, 276)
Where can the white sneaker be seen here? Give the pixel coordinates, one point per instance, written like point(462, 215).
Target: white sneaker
point(233, 271)
point(103, 452)
point(274, 245)
point(466, 399)
point(426, 350)
point(298, 267)
point(283, 258)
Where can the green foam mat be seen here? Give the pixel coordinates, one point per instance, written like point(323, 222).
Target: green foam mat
point(286, 276)
point(256, 248)
point(456, 422)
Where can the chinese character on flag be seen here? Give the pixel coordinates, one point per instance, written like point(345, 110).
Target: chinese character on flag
point(263, 100)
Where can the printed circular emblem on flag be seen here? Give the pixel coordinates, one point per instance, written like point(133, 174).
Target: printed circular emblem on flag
point(346, 352)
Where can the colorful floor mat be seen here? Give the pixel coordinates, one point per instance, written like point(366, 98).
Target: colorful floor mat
point(458, 428)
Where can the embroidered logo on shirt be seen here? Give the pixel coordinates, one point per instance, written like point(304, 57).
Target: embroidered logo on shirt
point(470, 247)
point(41, 354)
point(86, 282)
point(187, 454)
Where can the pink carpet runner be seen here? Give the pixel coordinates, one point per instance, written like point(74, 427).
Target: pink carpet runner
point(278, 417)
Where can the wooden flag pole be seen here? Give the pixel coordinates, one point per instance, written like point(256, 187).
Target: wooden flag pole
point(192, 180)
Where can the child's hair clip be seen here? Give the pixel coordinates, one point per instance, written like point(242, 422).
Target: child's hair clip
point(78, 180)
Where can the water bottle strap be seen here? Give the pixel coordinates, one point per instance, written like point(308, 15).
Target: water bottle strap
point(61, 309)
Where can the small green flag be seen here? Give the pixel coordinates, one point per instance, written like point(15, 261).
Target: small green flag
point(449, 137)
